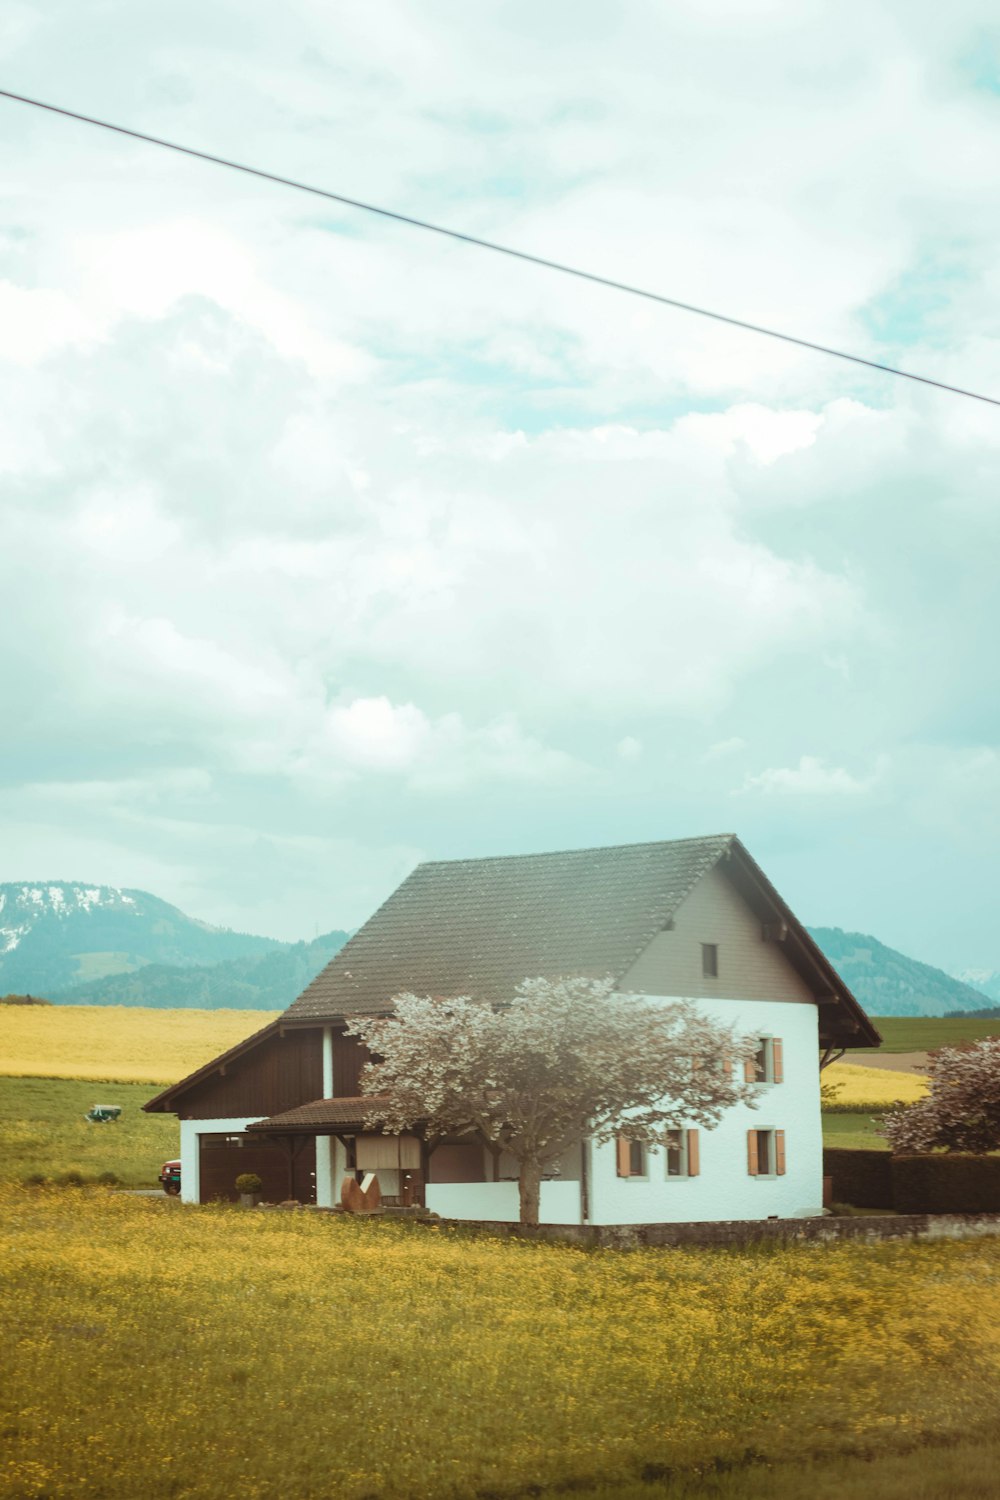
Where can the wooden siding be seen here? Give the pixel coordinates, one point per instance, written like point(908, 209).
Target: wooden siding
point(278, 1074)
point(750, 968)
point(287, 1168)
point(349, 1057)
point(458, 1161)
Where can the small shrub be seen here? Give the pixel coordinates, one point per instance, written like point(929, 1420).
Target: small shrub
point(109, 1179)
point(862, 1178)
point(248, 1182)
point(72, 1178)
point(34, 1179)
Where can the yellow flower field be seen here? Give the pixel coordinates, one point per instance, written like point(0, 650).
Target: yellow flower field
point(865, 1086)
point(156, 1350)
point(117, 1043)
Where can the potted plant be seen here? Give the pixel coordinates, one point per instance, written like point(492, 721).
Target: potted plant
point(248, 1185)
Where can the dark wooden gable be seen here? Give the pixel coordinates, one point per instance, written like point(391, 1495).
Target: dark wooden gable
point(275, 1070)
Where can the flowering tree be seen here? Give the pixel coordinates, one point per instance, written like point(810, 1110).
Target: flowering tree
point(962, 1110)
point(565, 1059)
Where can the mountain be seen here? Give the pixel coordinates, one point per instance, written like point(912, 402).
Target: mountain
point(888, 983)
point(268, 982)
point(985, 980)
point(97, 945)
point(56, 934)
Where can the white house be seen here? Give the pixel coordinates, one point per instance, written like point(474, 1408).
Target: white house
point(692, 918)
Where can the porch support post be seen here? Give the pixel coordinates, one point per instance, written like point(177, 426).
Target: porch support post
point(325, 1195)
point(327, 1062)
point(585, 1180)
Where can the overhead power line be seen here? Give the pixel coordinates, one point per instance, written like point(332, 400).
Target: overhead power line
point(508, 250)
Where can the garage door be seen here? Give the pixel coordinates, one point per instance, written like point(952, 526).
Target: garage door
point(287, 1167)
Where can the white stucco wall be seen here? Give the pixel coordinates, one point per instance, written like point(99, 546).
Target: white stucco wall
point(559, 1202)
point(724, 1189)
point(190, 1152)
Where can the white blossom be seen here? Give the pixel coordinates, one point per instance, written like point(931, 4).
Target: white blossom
point(566, 1059)
point(962, 1110)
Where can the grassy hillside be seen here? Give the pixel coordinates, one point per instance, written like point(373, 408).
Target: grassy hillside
point(168, 1352)
point(269, 981)
point(43, 1131)
point(922, 1033)
point(124, 1044)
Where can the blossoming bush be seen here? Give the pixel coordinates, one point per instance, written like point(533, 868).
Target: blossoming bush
point(962, 1110)
point(379, 1358)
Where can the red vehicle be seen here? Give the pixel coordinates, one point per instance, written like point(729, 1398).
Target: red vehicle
point(170, 1176)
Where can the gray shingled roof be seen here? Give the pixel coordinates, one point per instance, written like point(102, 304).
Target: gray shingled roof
point(478, 926)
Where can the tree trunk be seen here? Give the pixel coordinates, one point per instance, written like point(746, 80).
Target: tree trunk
point(529, 1187)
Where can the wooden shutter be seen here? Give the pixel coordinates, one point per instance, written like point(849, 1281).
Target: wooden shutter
point(777, 1061)
point(693, 1163)
point(750, 1070)
point(727, 1067)
point(779, 1152)
point(752, 1152)
point(624, 1157)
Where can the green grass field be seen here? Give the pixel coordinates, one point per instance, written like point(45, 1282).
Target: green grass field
point(42, 1129)
point(922, 1033)
point(961, 1471)
point(856, 1130)
point(180, 1353)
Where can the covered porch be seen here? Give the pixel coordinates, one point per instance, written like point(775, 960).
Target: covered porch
point(458, 1177)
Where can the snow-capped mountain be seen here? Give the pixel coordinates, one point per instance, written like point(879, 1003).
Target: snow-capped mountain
point(22, 905)
point(987, 980)
point(54, 934)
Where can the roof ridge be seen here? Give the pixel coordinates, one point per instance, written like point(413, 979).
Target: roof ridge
point(486, 859)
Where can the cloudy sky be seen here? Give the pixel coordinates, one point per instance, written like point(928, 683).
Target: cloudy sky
point(327, 546)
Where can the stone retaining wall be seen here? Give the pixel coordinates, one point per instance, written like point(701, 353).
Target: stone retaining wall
point(820, 1230)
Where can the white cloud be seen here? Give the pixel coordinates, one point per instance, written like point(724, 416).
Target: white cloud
point(336, 513)
point(813, 778)
point(38, 321)
point(628, 748)
point(375, 735)
point(723, 748)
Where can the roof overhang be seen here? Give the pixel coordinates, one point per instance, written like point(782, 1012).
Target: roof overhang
point(842, 1020)
point(321, 1117)
point(163, 1103)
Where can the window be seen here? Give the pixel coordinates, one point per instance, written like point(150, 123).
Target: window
point(631, 1157)
point(710, 960)
point(682, 1153)
point(214, 1142)
point(766, 1153)
point(767, 1063)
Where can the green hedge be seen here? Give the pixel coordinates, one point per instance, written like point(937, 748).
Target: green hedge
point(861, 1178)
point(946, 1183)
point(942, 1183)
